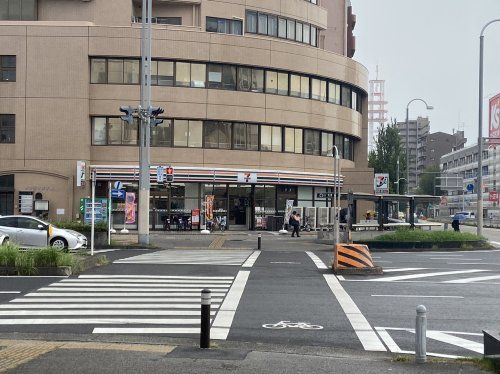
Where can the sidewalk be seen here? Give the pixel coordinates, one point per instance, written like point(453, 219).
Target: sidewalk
point(40, 357)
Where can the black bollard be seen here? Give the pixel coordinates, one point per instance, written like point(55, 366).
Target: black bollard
point(205, 319)
point(259, 241)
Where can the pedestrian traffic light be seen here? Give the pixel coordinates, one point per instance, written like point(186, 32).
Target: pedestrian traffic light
point(170, 174)
point(129, 111)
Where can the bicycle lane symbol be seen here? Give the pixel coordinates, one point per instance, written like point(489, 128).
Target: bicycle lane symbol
point(294, 325)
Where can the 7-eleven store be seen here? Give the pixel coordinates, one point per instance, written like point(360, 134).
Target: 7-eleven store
point(249, 199)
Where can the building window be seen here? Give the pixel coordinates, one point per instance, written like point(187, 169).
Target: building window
point(339, 143)
point(290, 29)
point(346, 96)
point(225, 26)
point(161, 135)
point(334, 93)
point(299, 32)
point(246, 136)
point(307, 34)
point(99, 131)
point(299, 86)
point(188, 133)
point(293, 140)
point(312, 142)
point(272, 25)
point(262, 25)
point(7, 128)
point(251, 21)
point(121, 133)
point(270, 138)
point(115, 71)
point(314, 36)
point(250, 80)
point(183, 74)
point(18, 10)
point(162, 73)
point(132, 72)
point(327, 140)
point(217, 134)
point(222, 76)
point(348, 149)
point(318, 89)
point(98, 70)
point(277, 83)
point(7, 68)
point(282, 28)
point(168, 20)
point(354, 100)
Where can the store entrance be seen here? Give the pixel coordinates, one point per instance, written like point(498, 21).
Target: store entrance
point(239, 206)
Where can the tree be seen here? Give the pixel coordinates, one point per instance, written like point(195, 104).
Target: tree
point(427, 181)
point(388, 150)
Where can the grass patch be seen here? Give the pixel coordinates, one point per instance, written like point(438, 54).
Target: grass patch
point(81, 227)
point(408, 235)
point(487, 364)
point(8, 254)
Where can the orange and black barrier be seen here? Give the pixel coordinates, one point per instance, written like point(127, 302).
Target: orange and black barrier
point(353, 257)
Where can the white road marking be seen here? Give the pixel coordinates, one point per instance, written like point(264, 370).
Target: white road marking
point(111, 312)
point(456, 259)
point(251, 260)
point(285, 262)
point(224, 318)
point(103, 306)
point(497, 244)
point(472, 280)
point(100, 321)
point(121, 294)
point(388, 340)
point(340, 277)
point(136, 278)
point(317, 261)
point(10, 291)
point(474, 263)
point(169, 283)
point(454, 340)
point(145, 330)
point(362, 328)
point(402, 269)
point(426, 275)
point(420, 296)
point(137, 289)
point(94, 299)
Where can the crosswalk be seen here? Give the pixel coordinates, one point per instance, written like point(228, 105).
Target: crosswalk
point(129, 304)
point(445, 276)
point(191, 257)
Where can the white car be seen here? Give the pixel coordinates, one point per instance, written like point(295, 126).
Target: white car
point(4, 238)
point(31, 232)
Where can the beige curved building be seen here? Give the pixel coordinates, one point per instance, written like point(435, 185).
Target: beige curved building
point(256, 94)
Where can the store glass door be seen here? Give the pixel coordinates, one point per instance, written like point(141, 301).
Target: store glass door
point(239, 206)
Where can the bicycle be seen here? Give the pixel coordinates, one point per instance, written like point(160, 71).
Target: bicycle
point(284, 324)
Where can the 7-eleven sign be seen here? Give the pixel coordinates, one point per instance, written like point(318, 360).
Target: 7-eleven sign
point(248, 178)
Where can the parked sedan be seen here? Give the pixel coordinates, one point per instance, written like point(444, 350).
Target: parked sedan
point(31, 232)
point(4, 238)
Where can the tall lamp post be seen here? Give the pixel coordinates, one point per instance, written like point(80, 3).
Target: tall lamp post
point(336, 194)
point(479, 213)
point(408, 140)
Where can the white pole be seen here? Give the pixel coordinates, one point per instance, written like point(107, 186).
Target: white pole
point(92, 223)
point(109, 213)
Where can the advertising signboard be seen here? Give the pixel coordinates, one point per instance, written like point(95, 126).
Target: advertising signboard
point(209, 207)
point(381, 183)
point(130, 207)
point(100, 209)
point(247, 178)
point(80, 173)
point(493, 196)
point(494, 123)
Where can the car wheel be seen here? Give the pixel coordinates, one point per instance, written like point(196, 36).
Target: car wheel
point(59, 243)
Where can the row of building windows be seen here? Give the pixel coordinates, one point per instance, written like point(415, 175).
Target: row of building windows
point(465, 160)
point(7, 68)
point(224, 26)
point(161, 20)
point(7, 128)
point(224, 135)
point(225, 77)
point(279, 27)
point(18, 10)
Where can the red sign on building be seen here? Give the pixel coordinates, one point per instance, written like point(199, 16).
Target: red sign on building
point(493, 196)
point(495, 119)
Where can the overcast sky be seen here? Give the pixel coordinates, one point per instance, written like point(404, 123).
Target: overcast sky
point(429, 49)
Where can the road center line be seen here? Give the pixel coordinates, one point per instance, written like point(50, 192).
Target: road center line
point(419, 296)
point(251, 259)
point(362, 328)
point(317, 261)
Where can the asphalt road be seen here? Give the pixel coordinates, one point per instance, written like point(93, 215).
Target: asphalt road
point(141, 292)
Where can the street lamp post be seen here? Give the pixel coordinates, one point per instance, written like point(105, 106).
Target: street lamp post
point(479, 212)
point(408, 140)
point(336, 194)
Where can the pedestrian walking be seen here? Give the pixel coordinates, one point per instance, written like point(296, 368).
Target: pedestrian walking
point(295, 222)
point(456, 225)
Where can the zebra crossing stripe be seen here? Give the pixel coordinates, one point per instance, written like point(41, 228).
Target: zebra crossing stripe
point(145, 330)
point(124, 299)
point(137, 278)
point(190, 257)
point(251, 260)
point(115, 306)
point(112, 312)
point(317, 261)
point(426, 275)
point(472, 280)
point(117, 289)
point(121, 294)
point(99, 321)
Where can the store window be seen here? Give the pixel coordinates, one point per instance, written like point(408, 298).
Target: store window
point(270, 138)
point(7, 68)
point(222, 76)
point(246, 136)
point(161, 135)
point(250, 80)
point(327, 140)
point(217, 134)
point(188, 133)
point(293, 140)
point(312, 142)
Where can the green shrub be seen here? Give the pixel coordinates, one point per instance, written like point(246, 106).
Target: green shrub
point(8, 254)
point(408, 235)
point(25, 263)
point(46, 257)
point(81, 227)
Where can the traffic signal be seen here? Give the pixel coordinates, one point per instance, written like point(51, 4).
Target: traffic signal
point(129, 111)
point(155, 111)
point(170, 174)
point(156, 121)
